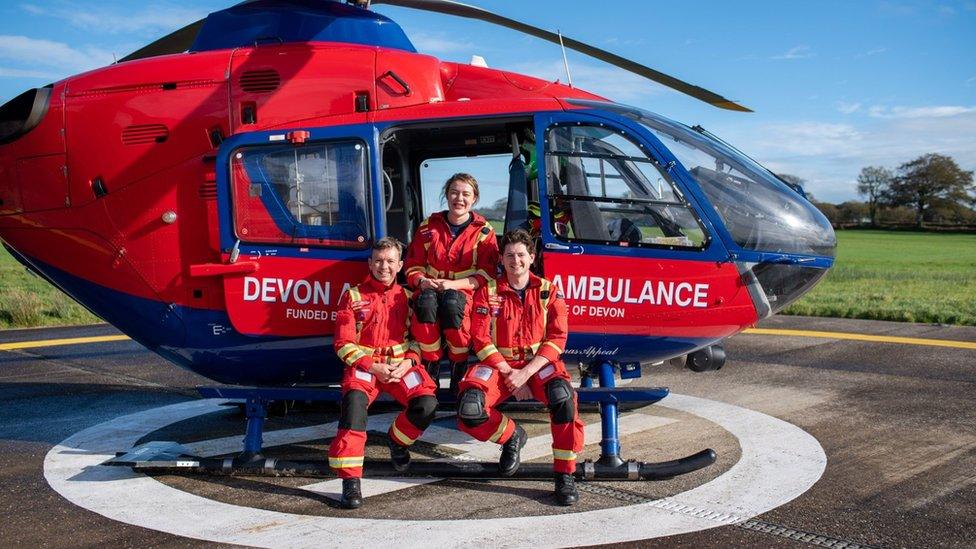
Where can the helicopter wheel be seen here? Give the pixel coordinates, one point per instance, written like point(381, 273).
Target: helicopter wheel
point(707, 359)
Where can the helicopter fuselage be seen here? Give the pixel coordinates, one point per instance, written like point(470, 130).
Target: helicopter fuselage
point(154, 193)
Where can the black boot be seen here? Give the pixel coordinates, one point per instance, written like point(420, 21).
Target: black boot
point(566, 493)
point(509, 462)
point(399, 456)
point(352, 497)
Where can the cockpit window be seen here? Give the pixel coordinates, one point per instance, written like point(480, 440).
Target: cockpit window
point(760, 212)
point(603, 187)
point(310, 195)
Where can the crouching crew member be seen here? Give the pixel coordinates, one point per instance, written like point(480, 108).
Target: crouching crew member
point(519, 329)
point(372, 338)
point(452, 254)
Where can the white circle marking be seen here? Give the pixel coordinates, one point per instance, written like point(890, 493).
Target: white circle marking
point(779, 462)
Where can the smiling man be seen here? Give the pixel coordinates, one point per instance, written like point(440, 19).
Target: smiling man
point(519, 329)
point(372, 338)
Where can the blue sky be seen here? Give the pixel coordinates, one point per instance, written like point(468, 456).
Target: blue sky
point(836, 85)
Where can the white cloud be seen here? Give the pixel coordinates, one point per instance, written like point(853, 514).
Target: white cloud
point(434, 44)
point(848, 108)
point(607, 81)
point(159, 17)
point(879, 111)
point(830, 156)
point(799, 52)
point(32, 52)
point(27, 73)
point(869, 53)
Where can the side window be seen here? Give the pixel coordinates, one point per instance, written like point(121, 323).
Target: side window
point(311, 195)
point(491, 171)
point(604, 188)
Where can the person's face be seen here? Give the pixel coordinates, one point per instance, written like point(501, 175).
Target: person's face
point(517, 260)
point(460, 198)
point(385, 264)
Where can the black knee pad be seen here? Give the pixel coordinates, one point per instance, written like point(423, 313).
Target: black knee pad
point(353, 412)
point(562, 407)
point(452, 309)
point(471, 408)
point(420, 411)
point(425, 306)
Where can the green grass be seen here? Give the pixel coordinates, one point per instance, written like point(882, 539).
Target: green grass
point(901, 276)
point(27, 300)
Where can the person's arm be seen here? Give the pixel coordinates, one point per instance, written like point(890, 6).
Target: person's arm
point(346, 341)
point(557, 326)
point(488, 256)
point(415, 264)
point(481, 337)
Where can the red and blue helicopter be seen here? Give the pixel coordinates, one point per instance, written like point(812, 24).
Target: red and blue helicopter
point(212, 194)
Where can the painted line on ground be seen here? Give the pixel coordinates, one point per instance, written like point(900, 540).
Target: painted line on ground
point(779, 462)
point(752, 331)
point(864, 337)
point(57, 342)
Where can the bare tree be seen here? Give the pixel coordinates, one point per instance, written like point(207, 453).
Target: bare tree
point(928, 180)
point(873, 183)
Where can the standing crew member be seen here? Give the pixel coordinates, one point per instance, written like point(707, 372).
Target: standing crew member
point(372, 338)
point(519, 329)
point(453, 253)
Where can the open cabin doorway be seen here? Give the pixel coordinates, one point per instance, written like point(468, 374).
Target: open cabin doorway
point(419, 158)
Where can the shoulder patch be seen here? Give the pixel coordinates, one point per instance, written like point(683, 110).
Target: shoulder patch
point(485, 230)
point(544, 294)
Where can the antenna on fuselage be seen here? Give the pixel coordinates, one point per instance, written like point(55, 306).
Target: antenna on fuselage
point(569, 77)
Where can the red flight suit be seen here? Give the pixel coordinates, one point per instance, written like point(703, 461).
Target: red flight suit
point(436, 253)
point(373, 324)
point(506, 328)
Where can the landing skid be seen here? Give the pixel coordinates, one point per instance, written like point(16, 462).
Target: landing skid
point(170, 457)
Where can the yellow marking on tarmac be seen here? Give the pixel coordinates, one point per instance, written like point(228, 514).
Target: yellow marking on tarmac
point(865, 337)
point(55, 342)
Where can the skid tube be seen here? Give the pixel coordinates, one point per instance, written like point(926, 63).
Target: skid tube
point(170, 457)
point(475, 470)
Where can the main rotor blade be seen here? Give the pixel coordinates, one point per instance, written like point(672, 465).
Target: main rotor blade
point(450, 7)
point(175, 42)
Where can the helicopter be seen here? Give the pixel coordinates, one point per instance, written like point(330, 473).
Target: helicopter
point(213, 194)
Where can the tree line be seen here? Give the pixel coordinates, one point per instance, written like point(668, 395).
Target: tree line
point(929, 189)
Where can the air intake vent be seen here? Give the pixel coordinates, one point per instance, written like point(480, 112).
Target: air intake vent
point(207, 191)
point(144, 133)
point(260, 81)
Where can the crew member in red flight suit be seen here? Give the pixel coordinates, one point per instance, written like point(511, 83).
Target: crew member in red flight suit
point(519, 329)
point(453, 253)
point(373, 339)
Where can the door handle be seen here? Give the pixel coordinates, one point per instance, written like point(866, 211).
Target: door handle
point(574, 249)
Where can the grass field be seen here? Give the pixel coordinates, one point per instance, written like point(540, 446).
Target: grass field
point(910, 277)
point(27, 300)
point(902, 276)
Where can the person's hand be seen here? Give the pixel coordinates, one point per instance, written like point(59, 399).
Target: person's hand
point(441, 284)
point(522, 393)
point(400, 369)
point(427, 284)
point(516, 379)
point(503, 368)
point(382, 371)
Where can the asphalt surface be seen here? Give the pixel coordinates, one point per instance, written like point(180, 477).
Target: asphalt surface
point(897, 423)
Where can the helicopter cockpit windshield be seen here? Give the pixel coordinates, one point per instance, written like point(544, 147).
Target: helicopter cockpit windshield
point(760, 212)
